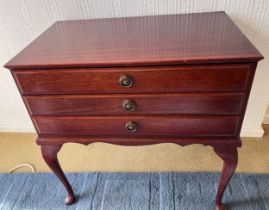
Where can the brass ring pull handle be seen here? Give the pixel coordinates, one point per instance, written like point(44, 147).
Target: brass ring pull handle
point(128, 105)
point(131, 126)
point(126, 81)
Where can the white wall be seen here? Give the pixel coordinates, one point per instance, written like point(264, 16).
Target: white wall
point(23, 20)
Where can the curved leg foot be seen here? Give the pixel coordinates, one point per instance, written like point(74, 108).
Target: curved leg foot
point(49, 153)
point(230, 158)
point(220, 207)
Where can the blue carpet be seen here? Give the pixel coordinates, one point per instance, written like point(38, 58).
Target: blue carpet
point(133, 191)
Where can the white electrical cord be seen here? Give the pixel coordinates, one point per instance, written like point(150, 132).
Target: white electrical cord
point(22, 165)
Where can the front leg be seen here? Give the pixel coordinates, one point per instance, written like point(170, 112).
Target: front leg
point(49, 153)
point(230, 157)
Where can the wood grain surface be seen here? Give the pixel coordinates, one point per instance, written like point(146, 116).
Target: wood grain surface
point(228, 77)
point(153, 40)
point(147, 125)
point(145, 104)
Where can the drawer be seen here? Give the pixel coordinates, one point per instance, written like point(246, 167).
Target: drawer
point(135, 104)
point(143, 126)
point(190, 78)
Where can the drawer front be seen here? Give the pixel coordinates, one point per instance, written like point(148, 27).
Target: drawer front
point(144, 126)
point(142, 80)
point(135, 104)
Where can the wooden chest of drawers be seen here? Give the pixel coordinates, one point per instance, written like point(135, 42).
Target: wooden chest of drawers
point(181, 79)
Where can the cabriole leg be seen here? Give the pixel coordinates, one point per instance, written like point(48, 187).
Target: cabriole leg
point(49, 153)
point(230, 158)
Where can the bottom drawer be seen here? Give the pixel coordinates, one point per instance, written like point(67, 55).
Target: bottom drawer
point(138, 125)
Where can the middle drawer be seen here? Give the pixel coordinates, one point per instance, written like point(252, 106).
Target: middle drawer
point(137, 104)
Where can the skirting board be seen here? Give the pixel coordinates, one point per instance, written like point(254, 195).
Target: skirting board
point(248, 132)
point(30, 129)
point(17, 128)
point(266, 119)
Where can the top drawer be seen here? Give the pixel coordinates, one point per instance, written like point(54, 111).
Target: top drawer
point(134, 80)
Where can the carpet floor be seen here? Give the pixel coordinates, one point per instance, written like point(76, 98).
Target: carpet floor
point(133, 191)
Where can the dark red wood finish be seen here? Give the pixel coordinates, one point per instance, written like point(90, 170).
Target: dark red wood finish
point(148, 126)
point(135, 141)
point(138, 41)
point(145, 80)
point(230, 158)
point(191, 74)
point(49, 153)
point(145, 104)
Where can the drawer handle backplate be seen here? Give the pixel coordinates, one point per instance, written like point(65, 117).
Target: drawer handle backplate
point(131, 126)
point(126, 81)
point(128, 105)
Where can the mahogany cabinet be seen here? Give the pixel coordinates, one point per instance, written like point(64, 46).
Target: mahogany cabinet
point(183, 79)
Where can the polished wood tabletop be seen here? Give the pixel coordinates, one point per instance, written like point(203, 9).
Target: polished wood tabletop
point(153, 40)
